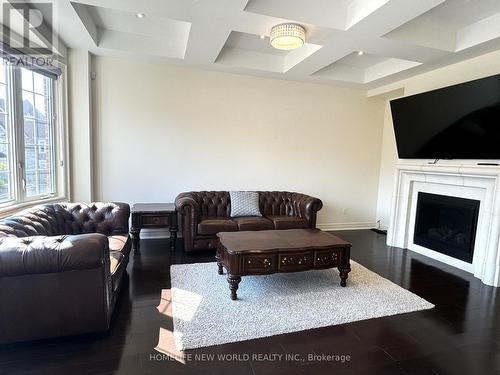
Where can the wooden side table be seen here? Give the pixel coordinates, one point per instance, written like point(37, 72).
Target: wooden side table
point(153, 215)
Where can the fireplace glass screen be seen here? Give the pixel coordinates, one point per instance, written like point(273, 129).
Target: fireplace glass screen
point(446, 224)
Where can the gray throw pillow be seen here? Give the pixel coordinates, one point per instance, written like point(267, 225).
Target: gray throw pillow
point(244, 203)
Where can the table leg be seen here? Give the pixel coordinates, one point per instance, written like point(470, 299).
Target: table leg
point(233, 281)
point(135, 233)
point(173, 237)
point(344, 271)
point(219, 264)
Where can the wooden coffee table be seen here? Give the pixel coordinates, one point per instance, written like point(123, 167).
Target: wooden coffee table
point(273, 251)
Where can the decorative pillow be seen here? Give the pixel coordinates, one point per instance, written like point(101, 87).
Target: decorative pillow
point(244, 203)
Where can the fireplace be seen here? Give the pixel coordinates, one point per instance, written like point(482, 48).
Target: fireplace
point(447, 225)
point(479, 184)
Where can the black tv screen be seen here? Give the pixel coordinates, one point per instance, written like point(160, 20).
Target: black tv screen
point(455, 122)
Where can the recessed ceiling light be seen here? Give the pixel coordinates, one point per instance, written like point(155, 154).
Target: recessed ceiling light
point(140, 15)
point(360, 53)
point(262, 36)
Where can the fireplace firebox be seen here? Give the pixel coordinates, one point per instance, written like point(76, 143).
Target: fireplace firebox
point(446, 224)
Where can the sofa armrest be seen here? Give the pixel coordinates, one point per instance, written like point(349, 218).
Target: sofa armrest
point(54, 286)
point(308, 208)
point(186, 201)
point(189, 209)
point(42, 254)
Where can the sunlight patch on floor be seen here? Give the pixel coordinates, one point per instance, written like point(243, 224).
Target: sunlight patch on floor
point(166, 345)
point(187, 309)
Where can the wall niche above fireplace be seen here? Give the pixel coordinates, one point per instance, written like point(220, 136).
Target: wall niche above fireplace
point(447, 224)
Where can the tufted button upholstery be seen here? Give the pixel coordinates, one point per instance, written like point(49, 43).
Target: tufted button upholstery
point(213, 203)
point(65, 262)
point(281, 210)
point(68, 218)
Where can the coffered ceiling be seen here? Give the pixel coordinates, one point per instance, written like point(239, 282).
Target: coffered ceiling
point(398, 38)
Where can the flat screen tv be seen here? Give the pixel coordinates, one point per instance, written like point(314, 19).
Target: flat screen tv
point(455, 122)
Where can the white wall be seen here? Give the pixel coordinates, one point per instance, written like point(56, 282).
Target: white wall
point(388, 159)
point(161, 130)
point(482, 66)
point(80, 125)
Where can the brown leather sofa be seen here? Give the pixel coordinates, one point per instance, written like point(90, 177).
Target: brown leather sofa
point(205, 213)
point(61, 268)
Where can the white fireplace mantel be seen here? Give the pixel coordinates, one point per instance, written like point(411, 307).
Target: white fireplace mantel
point(459, 180)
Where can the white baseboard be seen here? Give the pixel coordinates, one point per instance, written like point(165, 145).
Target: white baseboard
point(347, 226)
point(164, 233)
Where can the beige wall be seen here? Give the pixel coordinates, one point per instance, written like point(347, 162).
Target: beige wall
point(161, 130)
point(475, 68)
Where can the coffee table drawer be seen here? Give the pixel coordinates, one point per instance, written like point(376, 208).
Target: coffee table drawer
point(295, 261)
point(259, 264)
point(327, 258)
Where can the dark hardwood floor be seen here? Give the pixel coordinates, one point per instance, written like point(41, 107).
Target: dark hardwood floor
point(460, 336)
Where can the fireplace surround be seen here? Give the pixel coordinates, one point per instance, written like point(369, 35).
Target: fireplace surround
point(466, 181)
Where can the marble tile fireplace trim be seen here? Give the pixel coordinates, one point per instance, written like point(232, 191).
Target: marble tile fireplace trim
point(465, 181)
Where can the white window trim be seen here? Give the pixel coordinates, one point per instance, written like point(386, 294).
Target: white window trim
point(61, 152)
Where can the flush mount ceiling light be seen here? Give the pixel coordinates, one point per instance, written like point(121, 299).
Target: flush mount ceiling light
point(140, 15)
point(287, 36)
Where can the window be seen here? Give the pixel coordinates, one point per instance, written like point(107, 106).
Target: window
point(30, 138)
point(6, 162)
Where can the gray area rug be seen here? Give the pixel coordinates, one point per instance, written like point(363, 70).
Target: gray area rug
point(204, 314)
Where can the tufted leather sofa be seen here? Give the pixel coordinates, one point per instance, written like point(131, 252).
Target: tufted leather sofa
point(205, 213)
point(61, 268)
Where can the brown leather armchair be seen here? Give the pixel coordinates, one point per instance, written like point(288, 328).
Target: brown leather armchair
point(61, 268)
point(205, 213)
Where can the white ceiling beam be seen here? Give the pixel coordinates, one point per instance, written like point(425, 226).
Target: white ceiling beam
point(391, 15)
point(397, 49)
point(174, 9)
point(364, 33)
point(206, 39)
point(87, 22)
point(340, 26)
